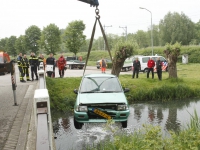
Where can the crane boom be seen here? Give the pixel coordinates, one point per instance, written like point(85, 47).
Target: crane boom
point(93, 3)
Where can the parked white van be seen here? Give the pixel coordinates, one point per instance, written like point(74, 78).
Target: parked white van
point(144, 59)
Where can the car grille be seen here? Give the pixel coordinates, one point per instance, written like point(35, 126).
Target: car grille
point(104, 108)
point(92, 115)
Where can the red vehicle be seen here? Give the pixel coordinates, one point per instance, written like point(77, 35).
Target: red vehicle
point(4, 63)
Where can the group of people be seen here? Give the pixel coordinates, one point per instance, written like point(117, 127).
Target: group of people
point(150, 64)
point(34, 64)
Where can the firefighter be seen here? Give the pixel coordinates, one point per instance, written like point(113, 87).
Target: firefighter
point(33, 61)
point(20, 62)
point(26, 67)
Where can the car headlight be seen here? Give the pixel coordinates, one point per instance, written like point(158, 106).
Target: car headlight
point(122, 107)
point(82, 108)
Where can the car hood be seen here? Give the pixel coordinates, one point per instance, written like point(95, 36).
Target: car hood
point(92, 98)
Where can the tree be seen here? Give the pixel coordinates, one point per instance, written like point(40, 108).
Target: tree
point(74, 36)
point(51, 39)
point(141, 38)
point(197, 28)
point(21, 44)
point(32, 35)
point(176, 27)
point(172, 52)
point(123, 50)
point(3, 44)
point(10, 46)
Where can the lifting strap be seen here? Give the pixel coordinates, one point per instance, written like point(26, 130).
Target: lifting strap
point(92, 38)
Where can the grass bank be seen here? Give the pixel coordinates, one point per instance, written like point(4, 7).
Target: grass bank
point(150, 137)
point(142, 89)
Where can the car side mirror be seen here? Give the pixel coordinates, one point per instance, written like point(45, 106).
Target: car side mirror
point(126, 90)
point(75, 91)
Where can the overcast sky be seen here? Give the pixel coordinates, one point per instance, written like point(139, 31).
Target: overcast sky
point(17, 15)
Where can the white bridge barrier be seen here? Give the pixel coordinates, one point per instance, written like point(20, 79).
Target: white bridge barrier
point(42, 114)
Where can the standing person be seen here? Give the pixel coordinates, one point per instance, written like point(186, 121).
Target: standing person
point(26, 68)
point(61, 65)
point(80, 58)
point(136, 67)
point(150, 65)
point(43, 60)
point(40, 59)
point(159, 68)
point(103, 65)
point(20, 63)
point(50, 61)
point(33, 61)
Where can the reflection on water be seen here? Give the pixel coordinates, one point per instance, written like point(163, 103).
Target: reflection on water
point(170, 115)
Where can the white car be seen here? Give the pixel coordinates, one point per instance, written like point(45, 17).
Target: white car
point(144, 59)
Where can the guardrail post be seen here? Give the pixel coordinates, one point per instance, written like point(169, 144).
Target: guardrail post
point(13, 80)
point(43, 120)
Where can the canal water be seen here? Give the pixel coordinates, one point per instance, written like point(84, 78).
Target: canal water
point(169, 115)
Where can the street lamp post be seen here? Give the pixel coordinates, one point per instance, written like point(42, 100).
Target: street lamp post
point(151, 29)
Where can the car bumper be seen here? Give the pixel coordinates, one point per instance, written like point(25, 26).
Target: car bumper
point(83, 117)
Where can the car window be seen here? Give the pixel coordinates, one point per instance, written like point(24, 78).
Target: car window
point(162, 59)
point(5, 59)
point(145, 59)
point(1, 59)
point(100, 84)
point(154, 58)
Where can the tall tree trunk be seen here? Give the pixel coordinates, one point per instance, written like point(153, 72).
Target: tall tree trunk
point(117, 66)
point(172, 52)
point(172, 69)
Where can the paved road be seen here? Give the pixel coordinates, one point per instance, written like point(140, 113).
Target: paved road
point(14, 118)
point(89, 70)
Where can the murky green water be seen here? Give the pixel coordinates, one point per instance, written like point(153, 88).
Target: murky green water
point(169, 115)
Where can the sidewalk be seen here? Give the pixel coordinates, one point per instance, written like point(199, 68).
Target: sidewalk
point(15, 120)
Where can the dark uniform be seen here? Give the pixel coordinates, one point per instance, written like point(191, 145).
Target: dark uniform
point(51, 61)
point(26, 68)
point(136, 68)
point(159, 69)
point(20, 62)
point(33, 61)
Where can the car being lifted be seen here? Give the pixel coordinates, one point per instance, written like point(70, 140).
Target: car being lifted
point(100, 97)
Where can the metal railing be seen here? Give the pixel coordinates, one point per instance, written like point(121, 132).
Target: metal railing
point(42, 112)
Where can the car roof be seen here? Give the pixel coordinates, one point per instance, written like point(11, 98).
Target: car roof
point(99, 75)
point(149, 56)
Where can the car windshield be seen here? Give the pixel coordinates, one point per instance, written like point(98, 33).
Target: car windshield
point(1, 59)
point(100, 85)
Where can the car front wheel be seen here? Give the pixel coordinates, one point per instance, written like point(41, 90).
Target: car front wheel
point(77, 125)
point(145, 70)
point(124, 124)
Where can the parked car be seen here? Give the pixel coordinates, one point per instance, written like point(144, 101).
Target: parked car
point(144, 59)
point(98, 62)
point(73, 62)
point(4, 63)
point(100, 97)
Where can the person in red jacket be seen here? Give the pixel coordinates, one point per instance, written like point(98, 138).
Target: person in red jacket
point(61, 65)
point(150, 65)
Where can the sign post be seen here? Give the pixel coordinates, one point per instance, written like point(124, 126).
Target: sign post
point(13, 80)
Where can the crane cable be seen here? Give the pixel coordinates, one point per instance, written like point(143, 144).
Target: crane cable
point(92, 38)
